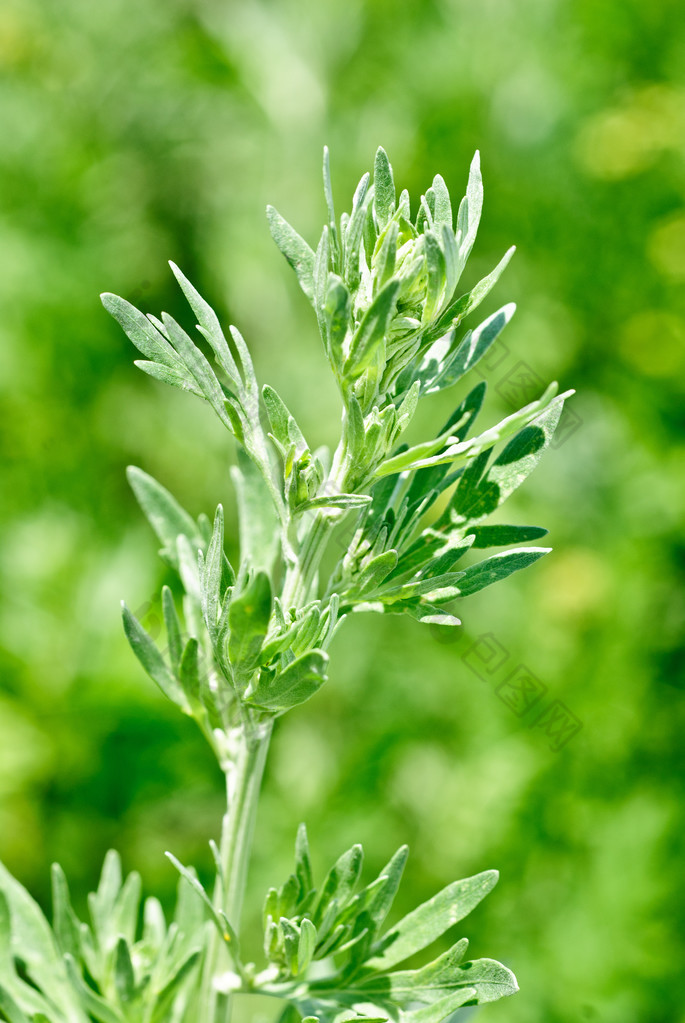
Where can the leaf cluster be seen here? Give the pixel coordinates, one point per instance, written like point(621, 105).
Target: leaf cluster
point(332, 957)
point(251, 641)
point(107, 970)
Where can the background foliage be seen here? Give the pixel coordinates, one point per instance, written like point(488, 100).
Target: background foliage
point(134, 133)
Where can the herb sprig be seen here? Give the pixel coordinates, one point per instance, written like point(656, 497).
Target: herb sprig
point(250, 642)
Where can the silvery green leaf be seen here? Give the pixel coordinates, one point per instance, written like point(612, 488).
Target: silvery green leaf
point(93, 1003)
point(306, 945)
point(189, 673)
point(341, 501)
point(435, 478)
point(322, 266)
point(355, 1017)
point(303, 863)
point(340, 881)
point(166, 996)
point(250, 396)
point(295, 249)
point(502, 536)
point(173, 628)
point(376, 571)
point(189, 571)
point(383, 894)
point(211, 575)
point(65, 923)
point(222, 924)
point(428, 614)
point(424, 216)
point(31, 933)
point(290, 935)
point(144, 335)
point(441, 979)
point(431, 553)
point(384, 194)
point(499, 566)
point(406, 409)
point(10, 1009)
point(248, 618)
point(448, 364)
point(479, 492)
point(353, 233)
point(259, 532)
point(198, 366)
point(465, 304)
point(385, 261)
point(146, 651)
point(208, 323)
point(451, 254)
point(154, 923)
point(283, 641)
point(423, 925)
point(163, 512)
point(354, 428)
point(428, 984)
point(124, 976)
point(370, 335)
point(307, 635)
point(432, 589)
point(470, 350)
point(330, 207)
point(443, 1009)
point(102, 902)
point(443, 207)
point(415, 457)
point(180, 378)
point(189, 914)
point(293, 686)
point(436, 273)
point(470, 209)
point(278, 414)
point(428, 548)
point(403, 207)
point(337, 318)
point(457, 452)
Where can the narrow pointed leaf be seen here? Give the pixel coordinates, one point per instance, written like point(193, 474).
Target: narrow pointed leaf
point(294, 248)
point(340, 880)
point(144, 335)
point(248, 618)
point(124, 977)
point(423, 925)
point(151, 659)
point(384, 194)
point(257, 518)
point(499, 566)
point(164, 513)
point(209, 322)
point(372, 330)
point(173, 628)
point(501, 536)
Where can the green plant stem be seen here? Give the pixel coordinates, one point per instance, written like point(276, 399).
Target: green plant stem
point(243, 784)
point(299, 576)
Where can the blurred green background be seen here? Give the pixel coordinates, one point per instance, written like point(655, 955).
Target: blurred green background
point(135, 132)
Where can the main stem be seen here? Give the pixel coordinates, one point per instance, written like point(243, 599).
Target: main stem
point(243, 784)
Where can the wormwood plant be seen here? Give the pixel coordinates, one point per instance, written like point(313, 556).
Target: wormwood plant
point(251, 641)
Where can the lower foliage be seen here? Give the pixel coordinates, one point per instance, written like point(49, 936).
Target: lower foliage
point(329, 956)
